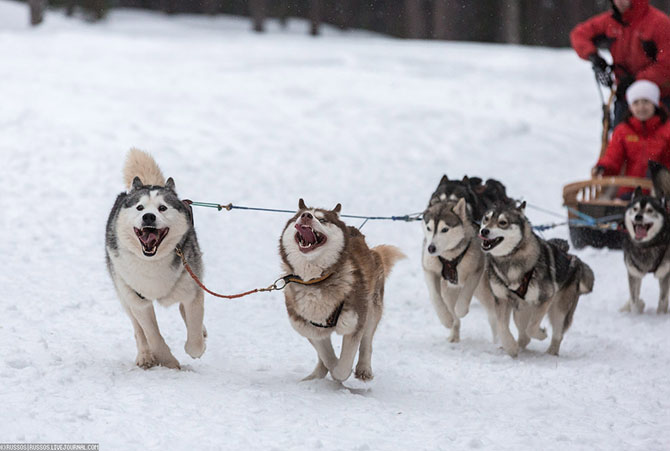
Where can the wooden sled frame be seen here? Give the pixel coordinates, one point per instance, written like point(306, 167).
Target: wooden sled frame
point(591, 198)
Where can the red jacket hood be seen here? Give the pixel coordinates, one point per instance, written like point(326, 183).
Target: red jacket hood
point(637, 10)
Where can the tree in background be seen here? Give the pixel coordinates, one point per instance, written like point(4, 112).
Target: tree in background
point(36, 11)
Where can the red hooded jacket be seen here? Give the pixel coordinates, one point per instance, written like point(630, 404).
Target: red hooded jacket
point(635, 143)
point(639, 41)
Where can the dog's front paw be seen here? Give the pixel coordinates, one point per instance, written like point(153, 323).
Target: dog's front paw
point(347, 322)
point(195, 348)
point(462, 309)
point(539, 334)
point(340, 373)
point(553, 348)
point(364, 373)
point(145, 360)
point(168, 361)
point(511, 348)
point(662, 309)
point(625, 308)
point(319, 373)
point(639, 306)
point(523, 341)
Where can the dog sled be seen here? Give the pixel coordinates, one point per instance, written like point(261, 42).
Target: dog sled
point(595, 215)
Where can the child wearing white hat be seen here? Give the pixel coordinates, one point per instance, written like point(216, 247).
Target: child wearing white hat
point(643, 135)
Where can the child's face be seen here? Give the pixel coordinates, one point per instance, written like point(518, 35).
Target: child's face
point(622, 5)
point(642, 109)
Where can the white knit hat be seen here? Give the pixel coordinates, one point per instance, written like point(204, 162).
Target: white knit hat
point(643, 89)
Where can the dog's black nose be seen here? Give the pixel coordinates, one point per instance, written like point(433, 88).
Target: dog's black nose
point(485, 232)
point(638, 217)
point(306, 216)
point(431, 248)
point(148, 218)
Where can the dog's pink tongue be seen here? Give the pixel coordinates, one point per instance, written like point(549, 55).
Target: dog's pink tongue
point(150, 238)
point(640, 232)
point(306, 233)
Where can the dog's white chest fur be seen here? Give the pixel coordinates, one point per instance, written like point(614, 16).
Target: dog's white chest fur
point(152, 279)
point(314, 305)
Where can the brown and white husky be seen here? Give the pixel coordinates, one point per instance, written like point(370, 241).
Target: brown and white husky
point(341, 288)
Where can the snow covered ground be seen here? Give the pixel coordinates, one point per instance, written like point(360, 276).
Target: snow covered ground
point(261, 120)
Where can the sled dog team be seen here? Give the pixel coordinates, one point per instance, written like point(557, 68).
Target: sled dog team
point(511, 271)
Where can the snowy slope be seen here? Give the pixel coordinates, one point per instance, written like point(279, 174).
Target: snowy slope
point(261, 120)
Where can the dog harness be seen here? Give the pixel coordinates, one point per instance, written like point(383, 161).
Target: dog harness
point(331, 321)
point(525, 283)
point(450, 267)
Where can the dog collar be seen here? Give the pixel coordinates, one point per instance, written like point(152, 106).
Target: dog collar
point(450, 267)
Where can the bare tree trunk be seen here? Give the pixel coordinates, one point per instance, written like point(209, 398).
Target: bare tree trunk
point(416, 23)
point(210, 7)
point(169, 6)
point(36, 11)
point(284, 12)
point(344, 14)
point(258, 9)
point(69, 9)
point(315, 16)
point(445, 19)
point(511, 18)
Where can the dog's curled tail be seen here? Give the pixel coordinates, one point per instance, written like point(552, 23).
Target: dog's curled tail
point(586, 279)
point(140, 164)
point(389, 256)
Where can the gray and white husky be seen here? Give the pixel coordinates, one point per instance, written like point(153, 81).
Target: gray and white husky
point(144, 227)
point(532, 277)
point(453, 264)
point(646, 244)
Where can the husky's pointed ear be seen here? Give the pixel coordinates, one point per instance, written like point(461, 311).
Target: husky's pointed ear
point(637, 193)
point(461, 209)
point(337, 209)
point(170, 184)
point(443, 180)
point(660, 176)
point(301, 205)
point(466, 179)
point(137, 183)
point(522, 207)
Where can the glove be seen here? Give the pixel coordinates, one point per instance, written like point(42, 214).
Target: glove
point(622, 85)
point(602, 69)
point(597, 171)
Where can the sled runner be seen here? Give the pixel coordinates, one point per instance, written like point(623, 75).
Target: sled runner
point(595, 215)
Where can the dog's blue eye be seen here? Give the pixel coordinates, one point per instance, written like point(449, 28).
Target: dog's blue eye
point(162, 208)
point(322, 221)
point(140, 207)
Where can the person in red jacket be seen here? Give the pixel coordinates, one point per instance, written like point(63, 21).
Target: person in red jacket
point(638, 38)
point(643, 135)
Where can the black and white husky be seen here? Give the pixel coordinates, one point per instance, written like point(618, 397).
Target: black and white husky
point(144, 227)
point(531, 276)
point(646, 246)
point(453, 265)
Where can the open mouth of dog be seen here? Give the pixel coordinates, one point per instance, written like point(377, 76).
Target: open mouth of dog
point(488, 244)
point(308, 239)
point(641, 230)
point(150, 238)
